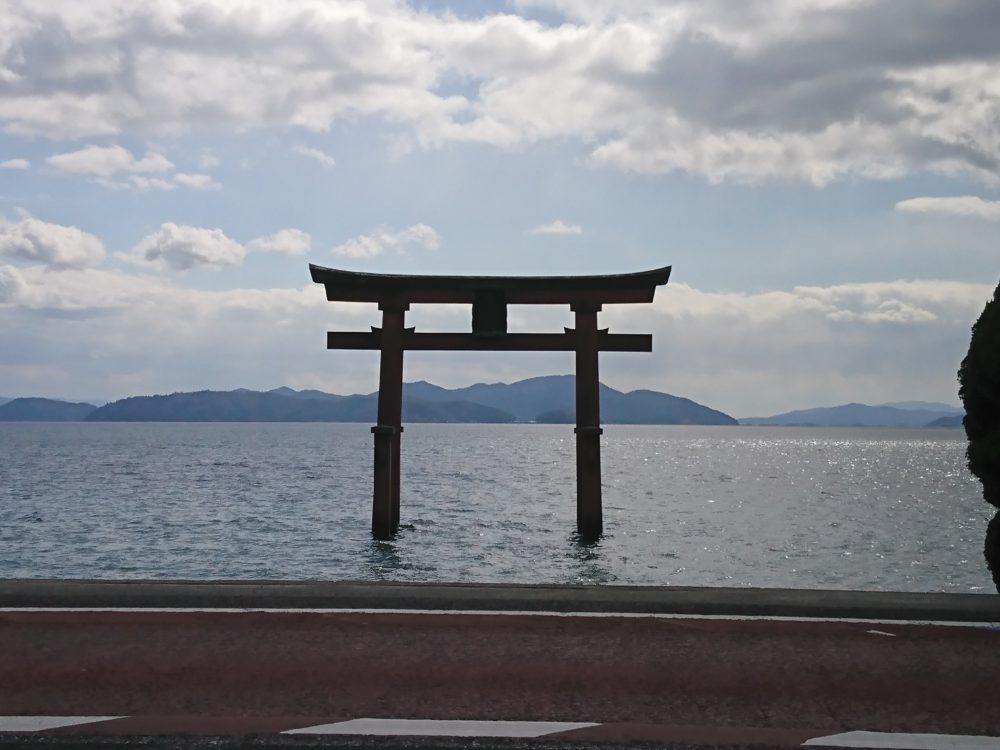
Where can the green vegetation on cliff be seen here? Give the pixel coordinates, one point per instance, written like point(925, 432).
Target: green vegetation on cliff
point(979, 378)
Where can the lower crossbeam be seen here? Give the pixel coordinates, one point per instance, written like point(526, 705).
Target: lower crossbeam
point(506, 342)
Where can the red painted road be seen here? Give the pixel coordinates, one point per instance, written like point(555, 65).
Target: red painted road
point(776, 679)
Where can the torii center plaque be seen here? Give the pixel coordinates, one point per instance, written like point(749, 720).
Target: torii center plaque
point(489, 297)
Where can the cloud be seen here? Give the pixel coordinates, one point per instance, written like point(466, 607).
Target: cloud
point(15, 164)
point(807, 91)
point(208, 160)
point(107, 161)
point(747, 354)
point(284, 241)
point(203, 338)
point(196, 181)
point(759, 354)
point(557, 227)
point(136, 182)
point(116, 168)
point(375, 243)
point(181, 247)
point(964, 205)
point(54, 245)
point(12, 284)
point(314, 153)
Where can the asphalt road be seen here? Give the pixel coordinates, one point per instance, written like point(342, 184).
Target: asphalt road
point(633, 677)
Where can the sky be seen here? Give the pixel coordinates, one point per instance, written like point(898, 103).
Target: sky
point(822, 175)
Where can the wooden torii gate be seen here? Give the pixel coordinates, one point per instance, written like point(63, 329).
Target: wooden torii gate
point(489, 297)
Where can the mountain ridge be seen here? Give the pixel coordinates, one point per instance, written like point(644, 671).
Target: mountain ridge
point(35, 409)
point(546, 398)
point(862, 415)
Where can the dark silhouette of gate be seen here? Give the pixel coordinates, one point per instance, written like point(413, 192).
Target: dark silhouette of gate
point(489, 297)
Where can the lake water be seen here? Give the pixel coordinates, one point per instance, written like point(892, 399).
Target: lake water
point(845, 508)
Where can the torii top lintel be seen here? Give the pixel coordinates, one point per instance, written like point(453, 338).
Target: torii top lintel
point(351, 286)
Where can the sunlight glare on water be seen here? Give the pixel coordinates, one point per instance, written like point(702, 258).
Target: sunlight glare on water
point(717, 506)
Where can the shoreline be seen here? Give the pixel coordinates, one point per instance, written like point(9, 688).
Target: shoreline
point(496, 597)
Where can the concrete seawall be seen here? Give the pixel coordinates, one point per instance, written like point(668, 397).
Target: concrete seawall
point(146, 594)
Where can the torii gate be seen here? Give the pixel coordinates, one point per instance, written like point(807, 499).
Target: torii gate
point(489, 297)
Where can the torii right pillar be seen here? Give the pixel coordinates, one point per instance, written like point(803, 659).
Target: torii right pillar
point(589, 515)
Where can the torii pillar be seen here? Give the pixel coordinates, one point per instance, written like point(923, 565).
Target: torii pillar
point(489, 297)
point(388, 431)
point(589, 513)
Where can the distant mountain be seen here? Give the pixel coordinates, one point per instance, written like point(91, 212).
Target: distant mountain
point(543, 399)
point(926, 406)
point(254, 406)
point(856, 415)
point(955, 420)
point(310, 393)
point(552, 398)
point(547, 399)
point(43, 410)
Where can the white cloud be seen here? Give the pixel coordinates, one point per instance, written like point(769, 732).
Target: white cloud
point(203, 338)
point(208, 160)
point(55, 245)
point(107, 161)
point(315, 154)
point(12, 284)
point(284, 241)
point(136, 182)
point(747, 354)
point(116, 168)
point(196, 181)
point(375, 243)
point(759, 354)
point(181, 247)
point(557, 227)
point(963, 205)
point(796, 90)
point(15, 164)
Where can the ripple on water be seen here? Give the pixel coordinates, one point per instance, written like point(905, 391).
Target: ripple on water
point(683, 505)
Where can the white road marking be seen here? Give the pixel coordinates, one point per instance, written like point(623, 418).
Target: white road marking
point(434, 728)
point(880, 632)
point(901, 741)
point(504, 612)
point(39, 723)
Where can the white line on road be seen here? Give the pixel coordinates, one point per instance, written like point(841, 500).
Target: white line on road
point(39, 723)
point(435, 728)
point(902, 741)
point(501, 612)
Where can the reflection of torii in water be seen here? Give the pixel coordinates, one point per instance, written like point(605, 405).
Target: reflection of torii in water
point(489, 297)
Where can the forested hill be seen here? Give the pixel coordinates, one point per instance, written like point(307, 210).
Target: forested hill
point(255, 406)
point(43, 410)
point(552, 398)
point(904, 414)
point(544, 399)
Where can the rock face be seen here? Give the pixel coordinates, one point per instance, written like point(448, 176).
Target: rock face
point(979, 378)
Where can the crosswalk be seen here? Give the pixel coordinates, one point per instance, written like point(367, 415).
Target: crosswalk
point(542, 730)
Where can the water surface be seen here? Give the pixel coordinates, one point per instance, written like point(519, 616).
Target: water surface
point(841, 508)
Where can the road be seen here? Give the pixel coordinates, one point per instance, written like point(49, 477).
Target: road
point(621, 678)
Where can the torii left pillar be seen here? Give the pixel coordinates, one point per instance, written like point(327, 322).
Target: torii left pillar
point(385, 504)
point(589, 516)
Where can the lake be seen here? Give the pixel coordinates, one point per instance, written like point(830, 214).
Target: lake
point(845, 508)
